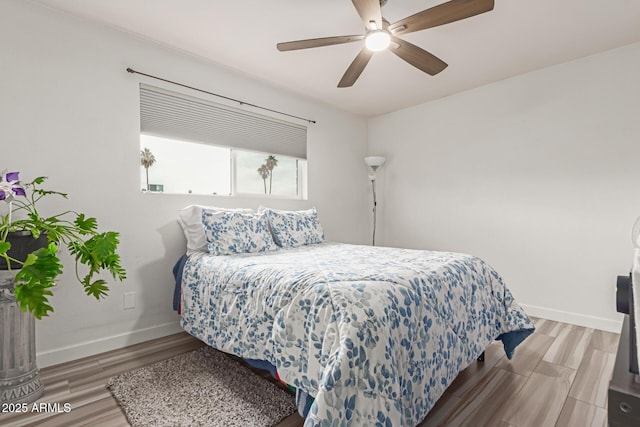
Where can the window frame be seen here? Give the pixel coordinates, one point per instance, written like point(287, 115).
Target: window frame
point(301, 172)
point(181, 117)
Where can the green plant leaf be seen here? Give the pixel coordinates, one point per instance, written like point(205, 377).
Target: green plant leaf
point(34, 280)
point(98, 288)
point(80, 251)
point(86, 225)
point(33, 299)
point(4, 247)
point(103, 245)
point(98, 253)
point(31, 259)
point(112, 263)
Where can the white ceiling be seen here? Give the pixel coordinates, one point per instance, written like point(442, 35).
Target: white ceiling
point(516, 37)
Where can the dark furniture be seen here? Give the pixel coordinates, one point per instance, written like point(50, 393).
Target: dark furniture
point(624, 388)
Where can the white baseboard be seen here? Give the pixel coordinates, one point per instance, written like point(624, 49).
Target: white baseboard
point(89, 348)
point(601, 323)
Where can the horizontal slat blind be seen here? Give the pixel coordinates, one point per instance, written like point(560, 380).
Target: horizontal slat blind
point(174, 115)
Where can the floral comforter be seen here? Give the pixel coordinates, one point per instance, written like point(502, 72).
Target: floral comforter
point(375, 334)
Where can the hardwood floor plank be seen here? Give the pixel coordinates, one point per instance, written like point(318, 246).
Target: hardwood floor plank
point(293, 420)
point(111, 418)
point(549, 327)
point(569, 346)
point(528, 355)
point(58, 390)
point(580, 414)
point(170, 341)
point(442, 410)
point(486, 402)
point(592, 382)
point(68, 370)
point(84, 414)
point(476, 371)
point(540, 401)
point(604, 341)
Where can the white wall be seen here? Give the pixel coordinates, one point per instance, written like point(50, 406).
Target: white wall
point(538, 174)
point(69, 110)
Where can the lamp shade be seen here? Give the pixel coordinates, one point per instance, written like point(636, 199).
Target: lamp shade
point(374, 161)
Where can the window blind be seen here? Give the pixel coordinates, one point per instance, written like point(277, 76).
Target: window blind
point(174, 115)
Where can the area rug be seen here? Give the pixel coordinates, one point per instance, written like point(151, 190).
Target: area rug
point(202, 388)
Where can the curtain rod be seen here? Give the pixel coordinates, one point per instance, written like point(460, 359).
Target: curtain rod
point(131, 70)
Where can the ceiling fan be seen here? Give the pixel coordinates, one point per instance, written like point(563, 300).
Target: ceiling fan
point(381, 35)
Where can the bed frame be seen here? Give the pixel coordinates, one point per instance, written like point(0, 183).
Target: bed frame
point(624, 388)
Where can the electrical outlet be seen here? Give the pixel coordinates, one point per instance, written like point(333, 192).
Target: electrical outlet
point(129, 301)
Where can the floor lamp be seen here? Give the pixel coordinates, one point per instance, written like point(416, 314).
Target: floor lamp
point(374, 162)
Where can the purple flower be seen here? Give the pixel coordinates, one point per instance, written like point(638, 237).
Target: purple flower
point(10, 186)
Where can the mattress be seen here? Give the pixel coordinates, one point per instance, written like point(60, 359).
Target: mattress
point(374, 334)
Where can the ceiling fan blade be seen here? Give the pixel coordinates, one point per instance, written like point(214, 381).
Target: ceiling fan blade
point(324, 41)
point(418, 57)
point(444, 13)
point(369, 10)
point(355, 69)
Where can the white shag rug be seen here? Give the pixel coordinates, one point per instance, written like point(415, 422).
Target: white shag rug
point(201, 388)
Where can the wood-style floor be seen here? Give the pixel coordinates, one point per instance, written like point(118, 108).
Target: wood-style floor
point(558, 377)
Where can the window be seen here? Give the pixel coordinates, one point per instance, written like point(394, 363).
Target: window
point(195, 146)
point(257, 173)
point(185, 167)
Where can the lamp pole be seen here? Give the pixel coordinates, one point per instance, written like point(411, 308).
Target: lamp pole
point(375, 205)
point(374, 162)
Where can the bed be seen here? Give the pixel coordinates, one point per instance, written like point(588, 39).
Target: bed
point(374, 334)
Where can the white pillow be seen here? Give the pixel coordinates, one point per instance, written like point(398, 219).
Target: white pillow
point(236, 233)
point(294, 228)
point(190, 218)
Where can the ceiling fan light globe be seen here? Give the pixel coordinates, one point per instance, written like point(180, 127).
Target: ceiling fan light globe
point(377, 40)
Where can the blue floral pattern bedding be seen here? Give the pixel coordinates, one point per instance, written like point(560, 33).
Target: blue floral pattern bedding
point(295, 228)
point(375, 334)
point(236, 232)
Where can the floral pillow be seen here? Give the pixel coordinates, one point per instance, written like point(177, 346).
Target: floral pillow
point(295, 228)
point(235, 232)
point(190, 218)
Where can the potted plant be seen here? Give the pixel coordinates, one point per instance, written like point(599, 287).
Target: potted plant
point(29, 244)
